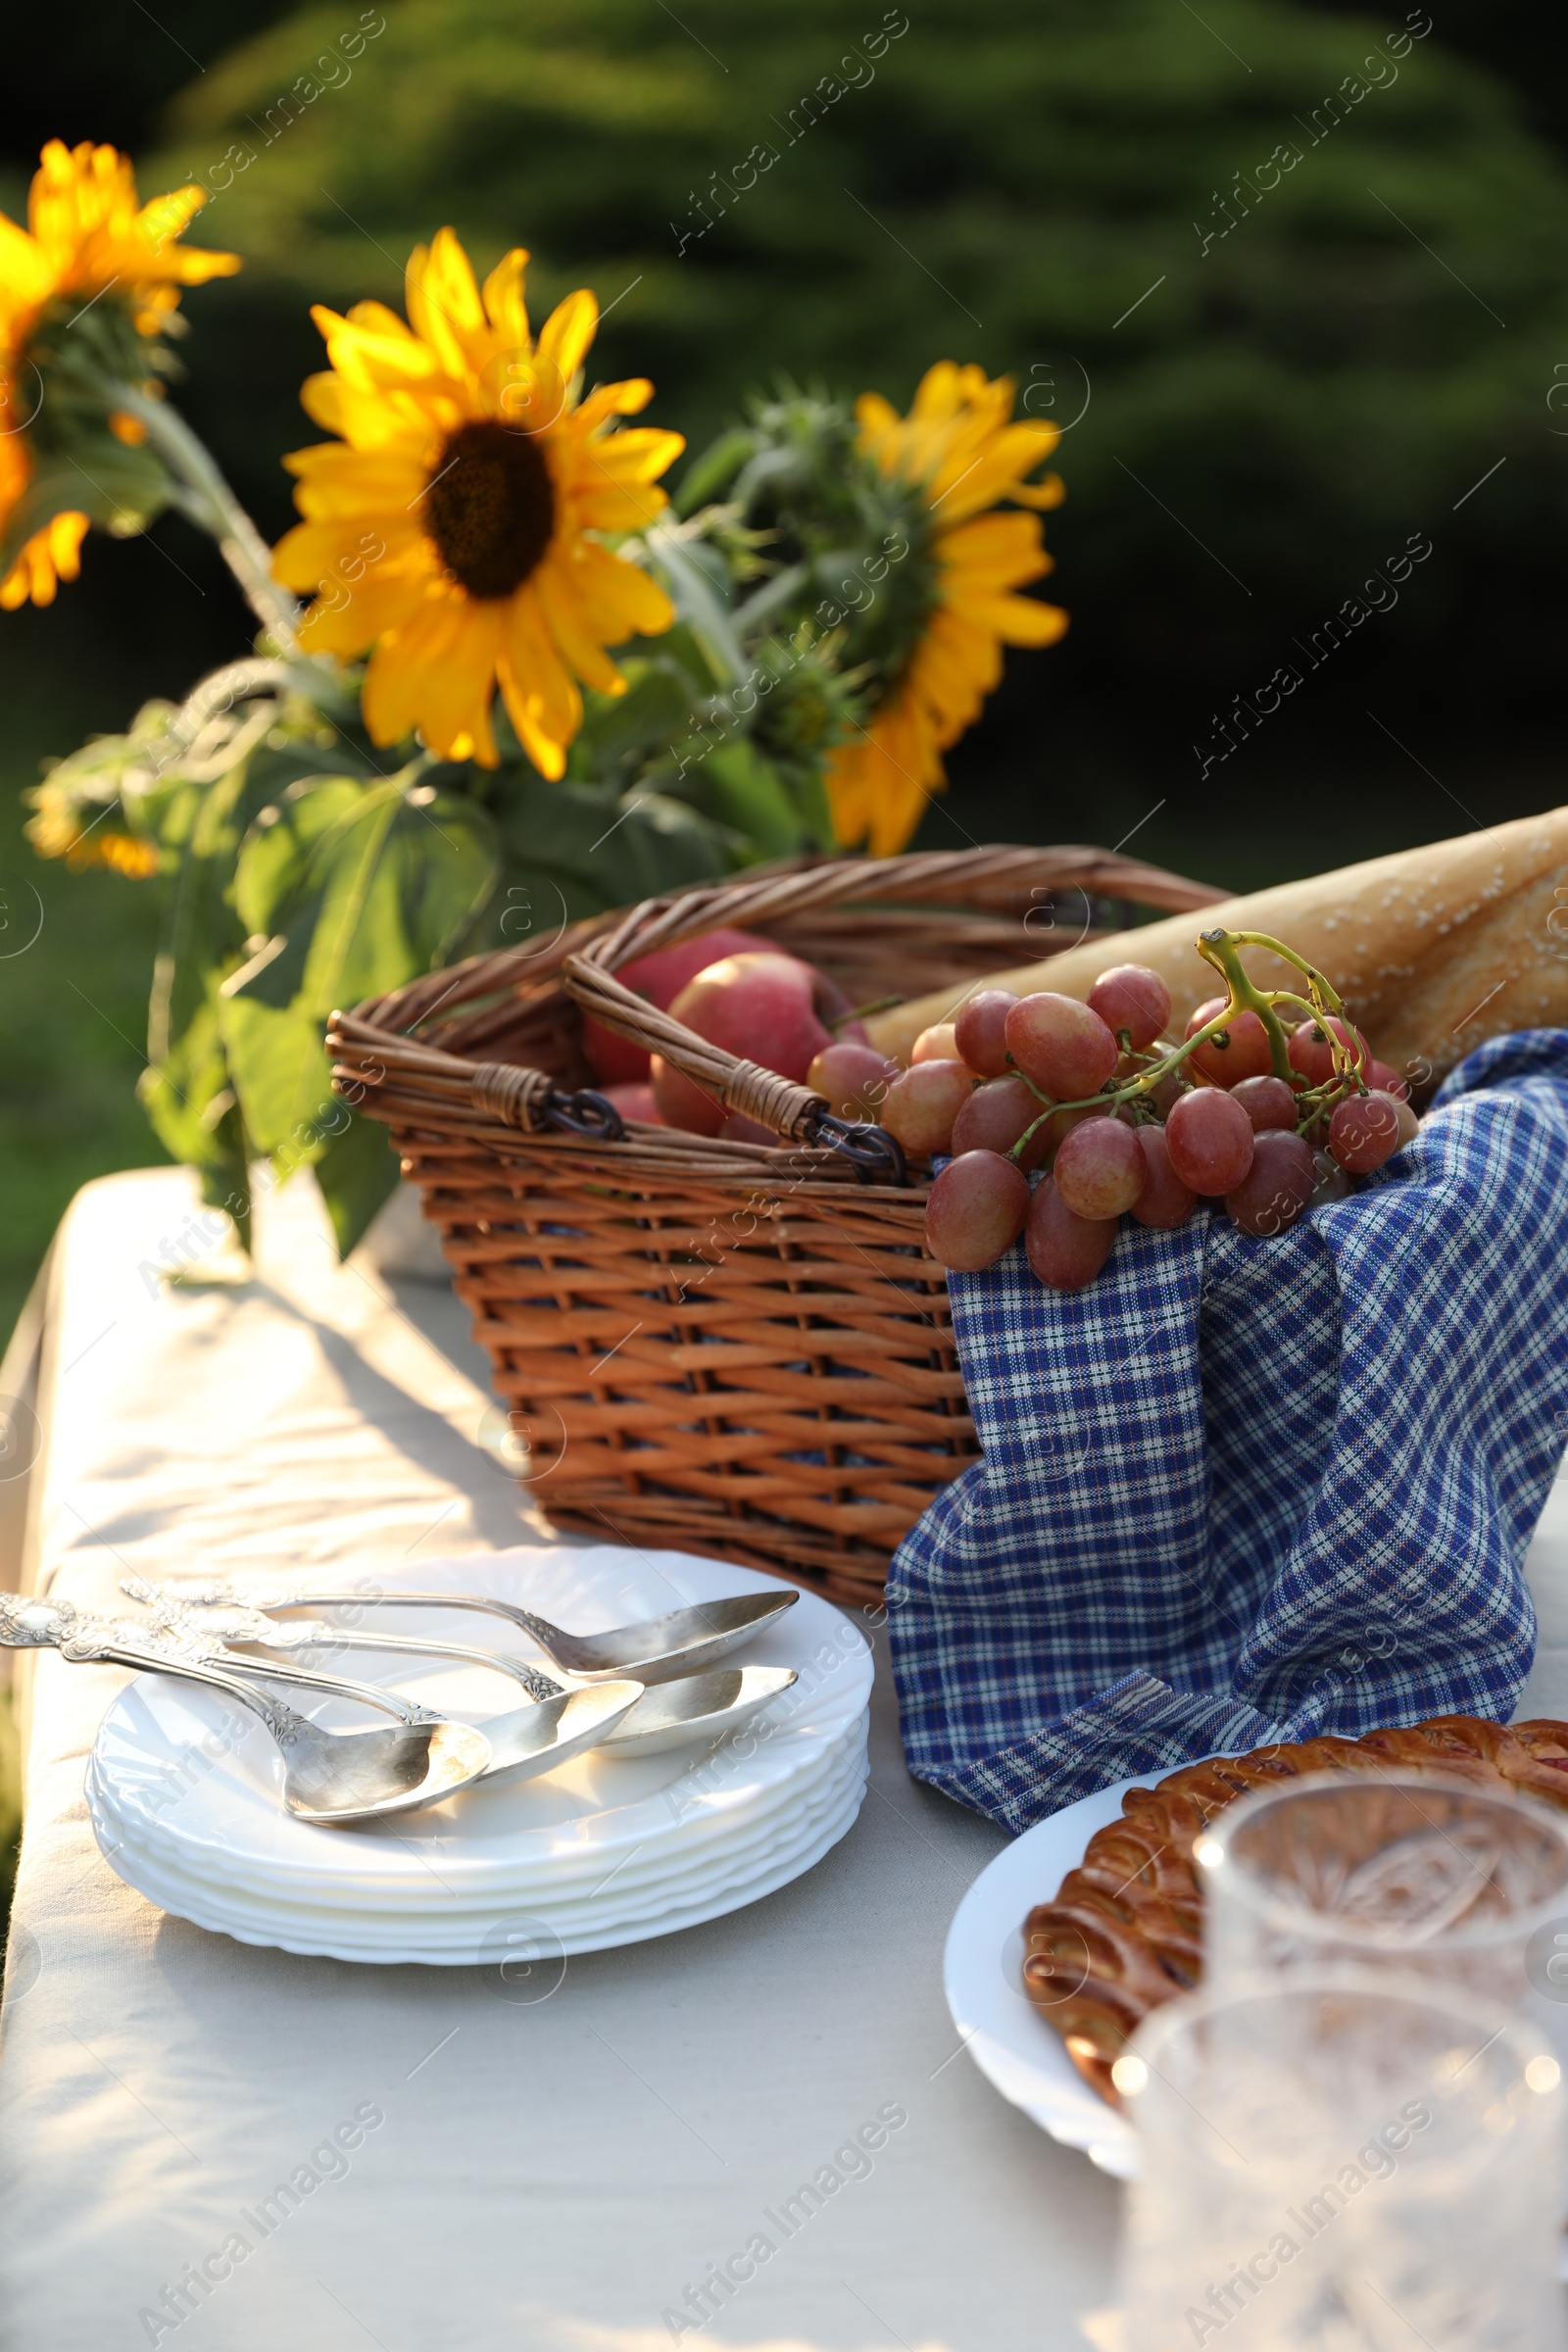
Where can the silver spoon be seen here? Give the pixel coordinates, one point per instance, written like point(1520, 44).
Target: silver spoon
point(677, 1714)
point(655, 1650)
point(330, 1778)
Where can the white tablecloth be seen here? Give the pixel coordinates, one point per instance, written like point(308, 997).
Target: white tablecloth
point(509, 2178)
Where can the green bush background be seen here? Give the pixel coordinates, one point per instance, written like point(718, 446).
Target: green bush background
point(1270, 421)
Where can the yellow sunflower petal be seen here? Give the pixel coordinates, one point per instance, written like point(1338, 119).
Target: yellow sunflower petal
point(347, 547)
point(453, 704)
point(443, 304)
point(346, 620)
point(874, 414)
point(568, 330)
point(1044, 494)
point(503, 304)
point(338, 481)
point(542, 696)
point(641, 454)
point(619, 596)
point(569, 626)
point(398, 678)
point(626, 398)
point(1018, 620)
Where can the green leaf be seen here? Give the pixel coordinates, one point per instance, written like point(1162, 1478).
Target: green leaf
point(119, 489)
point(655, 708)
point(585, 849)
point(737, 787)
point(187, 1090)
point(357, 1173)
point(718, 465)
point(358, 888)
point(698, 604)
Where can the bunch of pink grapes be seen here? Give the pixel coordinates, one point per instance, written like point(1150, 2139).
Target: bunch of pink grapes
point(1124, 1121)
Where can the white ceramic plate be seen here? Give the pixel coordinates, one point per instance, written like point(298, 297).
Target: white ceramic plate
point(185, 1803)
point(1006, 2037)
point(404, 1940)
point(446, 1912)
point(452, 1922)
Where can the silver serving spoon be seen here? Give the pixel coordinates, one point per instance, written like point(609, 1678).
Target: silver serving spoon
point(655, 1650)
point(699, 1707)
point(330, 1778)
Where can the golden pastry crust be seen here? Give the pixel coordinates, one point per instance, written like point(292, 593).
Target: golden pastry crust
point(1124, 1932)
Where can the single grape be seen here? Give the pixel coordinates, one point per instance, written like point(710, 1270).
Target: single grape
point(980, 1031)
point(1065, 1252)
point(1364, 1132)
point(1064, 1047)
point(1244, 1053)
point(1410, 1124)
point(975, 1212)
point(1099, 1170)
point(936, 1045)
point(1210, 1141)
point(854, 1078)
point(923, 1102)
point(1385, 1079)
point(1131, 997)
point(1164, 1202)
point(1333, 1184)
point(1277, 1187)
point(996, 1114)
point(1310, 1052)
point(1267, 1101)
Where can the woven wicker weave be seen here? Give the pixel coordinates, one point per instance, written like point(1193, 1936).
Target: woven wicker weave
point(715, 1346)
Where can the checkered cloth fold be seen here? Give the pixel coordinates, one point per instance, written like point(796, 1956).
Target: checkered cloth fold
point(1241, 1490)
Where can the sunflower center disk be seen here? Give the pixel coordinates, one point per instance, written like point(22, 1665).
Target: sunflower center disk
point(490, 507)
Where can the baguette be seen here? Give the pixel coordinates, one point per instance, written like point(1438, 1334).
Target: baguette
point(1433, 949)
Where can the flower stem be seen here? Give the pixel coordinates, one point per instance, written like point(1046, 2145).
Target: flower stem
point(215, 506)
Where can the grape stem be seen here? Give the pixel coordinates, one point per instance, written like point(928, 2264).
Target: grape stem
point(1222, 949)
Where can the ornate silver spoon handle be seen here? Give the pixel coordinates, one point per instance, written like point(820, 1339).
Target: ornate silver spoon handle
point(238, 1594)
point(249, 1625)
point(209, 1636)
point(87, 1641)
point(82, 1637)
point(303, 1678)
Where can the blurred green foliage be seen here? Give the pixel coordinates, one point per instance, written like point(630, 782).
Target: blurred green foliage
point(1001, 185)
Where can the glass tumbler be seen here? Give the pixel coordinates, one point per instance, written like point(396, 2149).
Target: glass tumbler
point(1415, 1871)
point(1344, 2160)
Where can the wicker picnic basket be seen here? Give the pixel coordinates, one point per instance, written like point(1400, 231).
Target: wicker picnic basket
point(719, 1346)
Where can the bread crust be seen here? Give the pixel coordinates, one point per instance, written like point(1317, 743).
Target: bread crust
point(1433, 949)
point(1123, 1934)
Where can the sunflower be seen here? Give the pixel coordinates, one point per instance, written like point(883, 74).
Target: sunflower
point(86, 236)
point(961, 452)
point(456, 526)
point(61, 829)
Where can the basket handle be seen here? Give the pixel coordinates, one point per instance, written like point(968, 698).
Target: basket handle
point(364, 1058)
point(793, 1110)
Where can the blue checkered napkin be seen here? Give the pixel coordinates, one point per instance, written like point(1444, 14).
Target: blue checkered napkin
point(1241, 1490)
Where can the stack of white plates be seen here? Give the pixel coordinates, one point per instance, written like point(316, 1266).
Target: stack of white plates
point(184, 1790)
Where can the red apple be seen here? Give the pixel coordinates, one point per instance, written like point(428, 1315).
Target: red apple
point(683, 1103)
point(660, 977)
point(634, 1101)
point(762, 1007)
